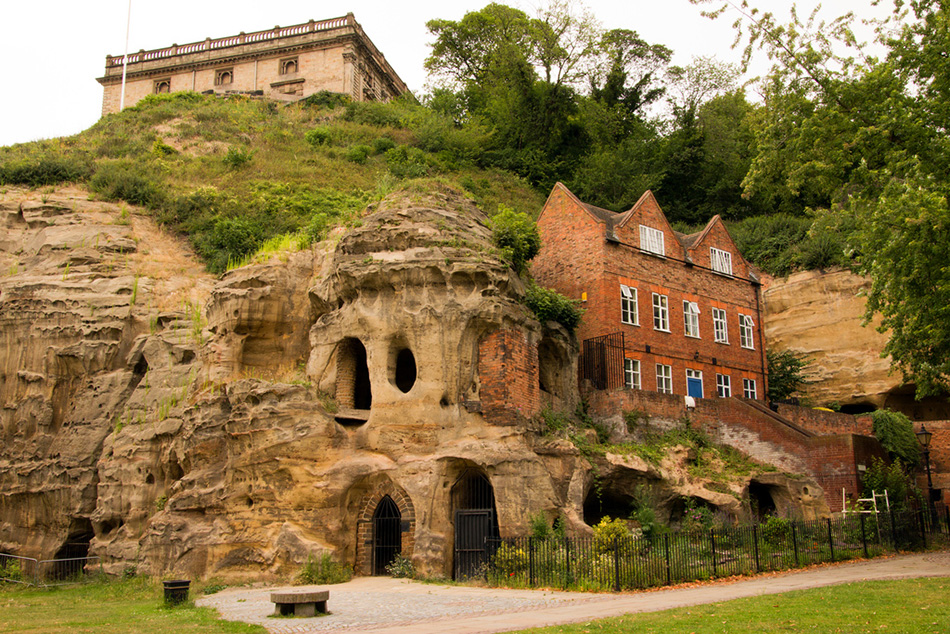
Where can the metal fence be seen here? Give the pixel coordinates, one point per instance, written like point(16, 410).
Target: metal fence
point(630, 562)
point(48, 572)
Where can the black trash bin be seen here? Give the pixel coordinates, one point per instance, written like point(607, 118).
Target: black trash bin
point(176, 591)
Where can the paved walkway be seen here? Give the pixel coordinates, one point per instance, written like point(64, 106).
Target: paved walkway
point(378, 605)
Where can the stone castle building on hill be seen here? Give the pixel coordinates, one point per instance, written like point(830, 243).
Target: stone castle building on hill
point(285, 63)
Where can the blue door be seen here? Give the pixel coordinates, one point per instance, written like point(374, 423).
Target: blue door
point(694, 383)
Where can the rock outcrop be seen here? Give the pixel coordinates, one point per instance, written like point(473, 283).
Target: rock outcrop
point(820, 315)
point(163, 420)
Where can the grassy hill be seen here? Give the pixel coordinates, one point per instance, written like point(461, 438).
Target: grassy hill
point(234, 173)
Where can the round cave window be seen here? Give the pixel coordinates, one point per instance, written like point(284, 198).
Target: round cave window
point(405, 370)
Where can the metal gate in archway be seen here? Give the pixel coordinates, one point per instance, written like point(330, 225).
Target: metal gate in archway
point(475, 523)
point(387, 534)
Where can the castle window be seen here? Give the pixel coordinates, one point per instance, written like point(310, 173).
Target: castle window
point(721, 332)
point(288, 66)
point(631, 374)
point(651, 240)
point(628, 306)
point(721, 261)
point(664, 378)
point(691, 319)
point(661, 312)
point(748, 388)
point(745, 331)
point(162, 86)
point(723, 385)
point(223, 76)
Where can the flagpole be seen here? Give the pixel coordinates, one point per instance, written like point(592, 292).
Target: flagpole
point(125, 58)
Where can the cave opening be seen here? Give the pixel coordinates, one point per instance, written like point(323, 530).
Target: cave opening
point(405, 374)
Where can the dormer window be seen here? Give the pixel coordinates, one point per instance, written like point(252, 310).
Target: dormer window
point(721, 261)
point(651, 240)
point(223, 76)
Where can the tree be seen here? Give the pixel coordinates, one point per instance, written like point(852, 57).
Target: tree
point(896, 434)
point(787, 373)
point(864, 140)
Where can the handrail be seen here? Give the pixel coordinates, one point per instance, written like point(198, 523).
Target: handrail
point(235, 40)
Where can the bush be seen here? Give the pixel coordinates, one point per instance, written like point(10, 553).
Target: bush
point(325, 99)
point(509, 560)
point(607, 532)
point(882, 477)
point(896, 433)
point(516, 235)
point(407, 162)
point(318, 136)
point(323, 570)
point(549, 305)
point(383, 144)
point(45, 170)
point(119, 182)
point(401, 568)
point(775, 531)
point(358, 154)
point(236, 157)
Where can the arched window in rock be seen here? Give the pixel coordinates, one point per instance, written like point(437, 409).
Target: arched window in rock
point(402, 367)
point(353, 389)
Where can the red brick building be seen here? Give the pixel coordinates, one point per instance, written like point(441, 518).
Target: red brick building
point(666, 312)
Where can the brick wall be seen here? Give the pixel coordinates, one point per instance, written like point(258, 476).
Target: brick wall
point(364, 531)
point(576, 259)
point(508, 377)
point(758, 432)
point(821, 422)
point(939, 457)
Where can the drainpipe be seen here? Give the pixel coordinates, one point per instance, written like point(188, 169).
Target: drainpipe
point(758, 313)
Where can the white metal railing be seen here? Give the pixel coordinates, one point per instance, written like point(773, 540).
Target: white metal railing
point(232, 40)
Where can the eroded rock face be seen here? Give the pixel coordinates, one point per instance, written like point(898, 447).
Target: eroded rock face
point(820, 314)
point(171, 422)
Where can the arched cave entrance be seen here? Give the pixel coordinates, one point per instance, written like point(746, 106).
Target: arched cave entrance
point(761, 501)
point(476, 521)
point(353, 388)
point(604, 502)
point(404, 370)
point(387, 534)
point(71, 558)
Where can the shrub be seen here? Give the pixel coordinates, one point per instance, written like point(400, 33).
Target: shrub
point(896, 433)
point(374, 113)
point(881, 477)
point(516, 235)
point(407, 162)
point(162, 149)
point(549, 305)
point(325, 99)
point(45, 170)
point(318, 136)
point(358, 154)
point(237, 157)
point(401, 568)
point(607, 532)
point(323, 570)
point(119, 182)
point(509, 560)
point(383, 144)
point(775, 531)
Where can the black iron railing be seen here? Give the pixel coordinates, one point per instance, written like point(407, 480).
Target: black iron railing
point(601, 361)
point(631, 562)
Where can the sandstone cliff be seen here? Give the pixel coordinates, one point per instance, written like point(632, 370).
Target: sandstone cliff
point(164, 420)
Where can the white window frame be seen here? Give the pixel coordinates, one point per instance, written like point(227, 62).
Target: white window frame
point(631, 374)
point(721, 261)
point(664, 378)
point(746, 331)
point(629, 306)
point(691, 319)
point(749, 389)
point(720, 325)
point(652, 240)
point(723, 385)
point(661, 312)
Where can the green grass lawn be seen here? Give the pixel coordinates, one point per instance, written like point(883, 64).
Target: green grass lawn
point(119, 607)
point(912, 606)
point(917, 606)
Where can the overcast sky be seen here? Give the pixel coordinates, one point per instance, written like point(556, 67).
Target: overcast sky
point(53, 50)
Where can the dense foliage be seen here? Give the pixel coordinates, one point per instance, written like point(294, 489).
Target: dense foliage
point(517, 236)
point(549, 305)
point(896, 433)
point(787, 373)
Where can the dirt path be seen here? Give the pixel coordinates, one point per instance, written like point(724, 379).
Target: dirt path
point(380, 605)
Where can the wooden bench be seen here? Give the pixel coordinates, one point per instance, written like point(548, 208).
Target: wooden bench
point(300, 603)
